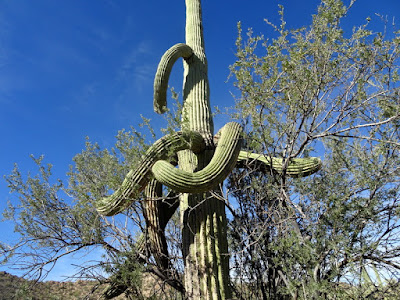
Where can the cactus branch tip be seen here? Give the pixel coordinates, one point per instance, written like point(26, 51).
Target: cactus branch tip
point(136, 180)
point(163, 71)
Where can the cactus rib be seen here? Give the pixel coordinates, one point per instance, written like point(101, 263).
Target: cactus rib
point(297, 167)
point(136, 180)
point(163, 71)
point(214, 173)
point(152, 213)
point(203, 218)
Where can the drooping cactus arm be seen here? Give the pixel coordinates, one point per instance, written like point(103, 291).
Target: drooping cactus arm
point(213, 174)
point(152, 209)
point(163, 71)
point(297, 167)
point(168, 206)
point(137, 179)
point(158, 211)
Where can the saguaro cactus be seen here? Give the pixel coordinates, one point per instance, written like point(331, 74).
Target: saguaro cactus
point(203, 165)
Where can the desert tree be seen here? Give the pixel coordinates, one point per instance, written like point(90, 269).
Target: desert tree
point(325, 91)
point(55, 220)
point(204, 161)
point(316, 90)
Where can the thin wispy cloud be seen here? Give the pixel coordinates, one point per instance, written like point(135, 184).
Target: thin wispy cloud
point(137, 63)
point(74, 68)
point(135, 79)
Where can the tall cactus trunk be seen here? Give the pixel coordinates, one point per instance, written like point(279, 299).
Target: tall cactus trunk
point(203, 216)
point(203, 166)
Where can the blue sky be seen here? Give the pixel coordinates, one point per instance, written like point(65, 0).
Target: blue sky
point(71, 69)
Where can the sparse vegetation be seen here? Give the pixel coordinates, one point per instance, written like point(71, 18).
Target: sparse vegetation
point(313, 91)
point(14, 287)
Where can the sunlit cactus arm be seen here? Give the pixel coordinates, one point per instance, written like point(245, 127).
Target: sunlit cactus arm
point(297, 167)
point(221, 164)
point(136, 180)
point(163, 71)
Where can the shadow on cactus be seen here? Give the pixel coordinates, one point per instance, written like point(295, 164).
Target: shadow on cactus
point(203, 161)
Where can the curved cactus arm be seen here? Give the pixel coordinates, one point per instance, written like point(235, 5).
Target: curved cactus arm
point(163, 71)
point(136, 180)
point(298, 167)
point(152, 213)
point(222, 163)
point(167, 208)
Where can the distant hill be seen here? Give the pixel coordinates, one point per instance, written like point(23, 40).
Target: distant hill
point(14, 287)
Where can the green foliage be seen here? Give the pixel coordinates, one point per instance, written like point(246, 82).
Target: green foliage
point(54, 219)
point(316, 81)
point(311, 91)
point(23, 292)
point(127, 278)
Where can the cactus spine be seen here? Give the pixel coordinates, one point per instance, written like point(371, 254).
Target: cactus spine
point(137, 179)
point(203, 165)
point(297, 167)
point(202, 216)
point(221, 164)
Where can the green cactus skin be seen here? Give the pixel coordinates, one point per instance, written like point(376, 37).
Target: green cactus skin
point(203, 165)
point(297, 167)
point(164, 205)
point(137, 179)
point(213, 174)
point(153, 216)
point(158, 210)
point(163, 71)
point(203, 218)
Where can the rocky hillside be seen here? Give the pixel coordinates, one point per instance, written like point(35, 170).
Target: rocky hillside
point(13, 287)
point(16, 288)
